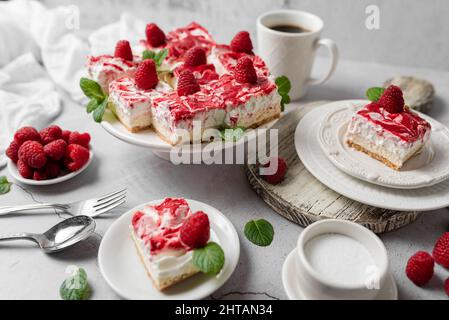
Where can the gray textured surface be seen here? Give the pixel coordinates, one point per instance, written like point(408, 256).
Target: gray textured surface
point(412, 32)
point(28, 273)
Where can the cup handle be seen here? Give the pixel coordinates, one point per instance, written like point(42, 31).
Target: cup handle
point(333, 50)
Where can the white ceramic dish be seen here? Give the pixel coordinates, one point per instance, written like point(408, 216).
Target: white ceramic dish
point(309, 151)
point(426, 169)
point(294, 291)
point(123, 271)
point(12, 168)
point(149, 138)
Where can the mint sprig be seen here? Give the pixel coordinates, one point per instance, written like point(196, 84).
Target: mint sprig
point(98, 100)
point(375, 93)
point(157, 57)
point(232, 134)
point(5, 185)
point(209, 259)
point(260, 232)
point(284, 86)
point(76, 286)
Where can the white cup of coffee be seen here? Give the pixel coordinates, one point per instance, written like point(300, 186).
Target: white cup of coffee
point(288, 41)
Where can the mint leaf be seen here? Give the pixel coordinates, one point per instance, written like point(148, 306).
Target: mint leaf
point(157, 57)
point(5, 185)
point(375, 93)
point(91, 89)
point(92, 105)
point(99, 111)
point(260, 232)
point(232, 134)
point(209, 259)
point(75, 287)
point(284, 86)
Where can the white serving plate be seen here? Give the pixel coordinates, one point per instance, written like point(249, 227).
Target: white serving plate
point(430, 167)
point(12, 168)
point(150, 139)
point(123, 271)
point(316, 162)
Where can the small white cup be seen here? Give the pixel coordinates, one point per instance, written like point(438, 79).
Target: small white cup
point(293, 54)
point(315, 286)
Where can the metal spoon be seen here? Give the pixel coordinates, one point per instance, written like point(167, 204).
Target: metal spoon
point(60, 236)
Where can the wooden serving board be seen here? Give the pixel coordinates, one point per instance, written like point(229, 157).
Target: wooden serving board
point(303, 199)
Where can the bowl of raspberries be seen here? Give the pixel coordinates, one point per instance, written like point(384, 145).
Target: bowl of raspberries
point(48, 156)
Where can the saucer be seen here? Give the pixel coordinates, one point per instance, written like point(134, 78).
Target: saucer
point(292, 286)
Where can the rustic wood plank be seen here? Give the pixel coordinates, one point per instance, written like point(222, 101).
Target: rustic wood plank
point(303, 199)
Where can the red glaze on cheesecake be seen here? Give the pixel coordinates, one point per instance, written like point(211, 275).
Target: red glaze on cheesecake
point(203, 74)
point(407, 125)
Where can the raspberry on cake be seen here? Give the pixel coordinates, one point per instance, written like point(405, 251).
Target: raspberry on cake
point(156, 231)
point(388, 131)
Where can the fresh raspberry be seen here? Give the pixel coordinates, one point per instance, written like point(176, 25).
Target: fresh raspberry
point(50, 134)
point(82, 139)
point(66, 135)
point(195, 231)
point(155, 36)
point(276, 177)
point(187, 84)
point(56, 149)
point(123, 50)
point(441, 250)
point(244, 71)
point(52, 169)
point(446, 286)
point(76, 157)
point(24, 170)
point(392, 100)
point(146, 75)
point(26, 134)
point(136, 218)
point(32, 153)
point(195, 56)
point(12, 151)
point(39, 175)
point(242, 43)
point(419, 268)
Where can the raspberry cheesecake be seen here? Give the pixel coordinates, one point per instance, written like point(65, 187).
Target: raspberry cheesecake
point(165, 235)
point(387, 130)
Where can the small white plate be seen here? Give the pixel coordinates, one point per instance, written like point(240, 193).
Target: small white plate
point(430, 167)
point(123, 271)
point(12, 168)
point(316, 162)
point(150, 139)
point(292, 284)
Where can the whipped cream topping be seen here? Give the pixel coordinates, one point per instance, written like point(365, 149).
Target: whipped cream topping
point(108, 62)
point(407, 125)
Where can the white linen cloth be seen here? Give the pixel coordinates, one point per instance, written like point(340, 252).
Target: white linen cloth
point(40, 50)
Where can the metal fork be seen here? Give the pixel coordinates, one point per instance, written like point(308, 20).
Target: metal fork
point(92, 207)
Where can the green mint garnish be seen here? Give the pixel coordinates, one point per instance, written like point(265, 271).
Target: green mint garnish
point(234, 135)
point(76, 286)
point(374, 93)
point(260, 232)
point(98, 100)
point(284, 86)
point(157, 57)
point(5, 185)
point(209, 259)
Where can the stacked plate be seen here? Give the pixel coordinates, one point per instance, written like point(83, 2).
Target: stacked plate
point(421, 185)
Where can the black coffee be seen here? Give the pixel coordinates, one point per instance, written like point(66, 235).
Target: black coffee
point(288, 28)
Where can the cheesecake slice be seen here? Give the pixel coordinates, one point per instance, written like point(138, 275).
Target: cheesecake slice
point(131, 105)
point(155, 230)
point(390, 137)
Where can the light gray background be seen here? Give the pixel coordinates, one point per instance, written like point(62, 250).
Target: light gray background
point(412, 32)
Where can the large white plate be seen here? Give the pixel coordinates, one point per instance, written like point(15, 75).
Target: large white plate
point(12, 168)
point(309, 151)
point(124, 272)
point(430, 167)
point(149, 138)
